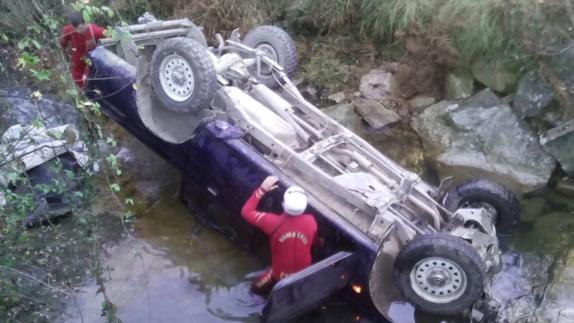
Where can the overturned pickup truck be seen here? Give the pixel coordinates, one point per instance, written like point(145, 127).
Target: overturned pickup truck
point(229, 115)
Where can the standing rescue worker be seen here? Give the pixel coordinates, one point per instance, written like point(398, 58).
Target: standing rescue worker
point(77, 39)
point(291, 234)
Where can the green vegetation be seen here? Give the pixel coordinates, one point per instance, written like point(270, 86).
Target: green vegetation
point(326, 72)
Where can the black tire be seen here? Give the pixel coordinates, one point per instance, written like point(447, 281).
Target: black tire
point(484, 191)
point(191, 98)
point(452, 250)
point(284, 48)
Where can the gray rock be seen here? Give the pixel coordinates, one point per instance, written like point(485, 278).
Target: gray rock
point(483, 137)
point(16, 107)
point(343, 114)
point(560, 142)
point(558, 303)
point(515, 289)
point(375, 114)
point(337, 97)
point(459, 85)
point(533, 95)
point(494, 75)
point(421, 102)
point(378, 84)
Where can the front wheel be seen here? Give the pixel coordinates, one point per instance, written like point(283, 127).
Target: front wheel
point(440, 273)
point(480, 192)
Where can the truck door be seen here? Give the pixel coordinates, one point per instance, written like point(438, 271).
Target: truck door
point(309, 288)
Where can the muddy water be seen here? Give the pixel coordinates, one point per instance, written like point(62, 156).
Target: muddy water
point(175, 270)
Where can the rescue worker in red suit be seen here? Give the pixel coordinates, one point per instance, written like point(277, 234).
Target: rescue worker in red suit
point(77, 39)
point(291, 234)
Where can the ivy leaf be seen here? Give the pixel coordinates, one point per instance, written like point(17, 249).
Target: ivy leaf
point(115, 187)
point(87, 14)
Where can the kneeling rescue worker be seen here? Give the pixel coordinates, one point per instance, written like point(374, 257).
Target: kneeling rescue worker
point(291, 234)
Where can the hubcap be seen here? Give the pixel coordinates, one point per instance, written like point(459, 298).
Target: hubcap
point(438, 280)
point(271, 53)
point(176, 77)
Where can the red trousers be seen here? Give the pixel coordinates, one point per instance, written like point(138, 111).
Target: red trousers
point(78, 71)
point(263, 284)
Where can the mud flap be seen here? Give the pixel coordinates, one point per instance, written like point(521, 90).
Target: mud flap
point(307, 289)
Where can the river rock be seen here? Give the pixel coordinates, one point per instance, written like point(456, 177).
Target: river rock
point(533, 95)
point(516, 288)
point(459, 85)
point(16, 107)
point(482, 137)
point(558, 303)
point(421, 102)
point(375, 114)
point(379, 84)
point(343, 114)
point(560, 142)
point(494, 75)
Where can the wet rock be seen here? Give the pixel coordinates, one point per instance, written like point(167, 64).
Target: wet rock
point(16, 107)
point(515, 289)
point(482, 137)
point(494, 75)
point(421, 102)
point(459, 85)
point(532, 208)
point(378, 84)
point(566, 187)
point(560, 142)
point(337, 97)
point(375, 114)
point(558, 303)
point(533, 95)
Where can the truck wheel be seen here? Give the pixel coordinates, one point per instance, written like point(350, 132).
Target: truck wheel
point(279, 46)
point(440, 273)
point(182, 75)
point(480, 191)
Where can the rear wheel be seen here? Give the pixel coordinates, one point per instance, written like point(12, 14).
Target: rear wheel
point(440, 273)
point(277, 45)
point(182, 74)
point(480, 192)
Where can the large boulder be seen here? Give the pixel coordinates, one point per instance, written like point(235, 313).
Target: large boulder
point(494, 74)
point(533, 95)
point(560, 143)
point(483, 137)
point(375, 114)
point(379, 84)
point(343, 114)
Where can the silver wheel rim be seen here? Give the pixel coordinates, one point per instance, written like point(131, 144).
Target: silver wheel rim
point(176, 78)
point(438, 280)
point(271, 53)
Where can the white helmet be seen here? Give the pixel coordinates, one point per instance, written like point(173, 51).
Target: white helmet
point(294, 200)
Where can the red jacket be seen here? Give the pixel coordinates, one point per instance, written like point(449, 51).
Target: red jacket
point(290, 237)
point(79, 42)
